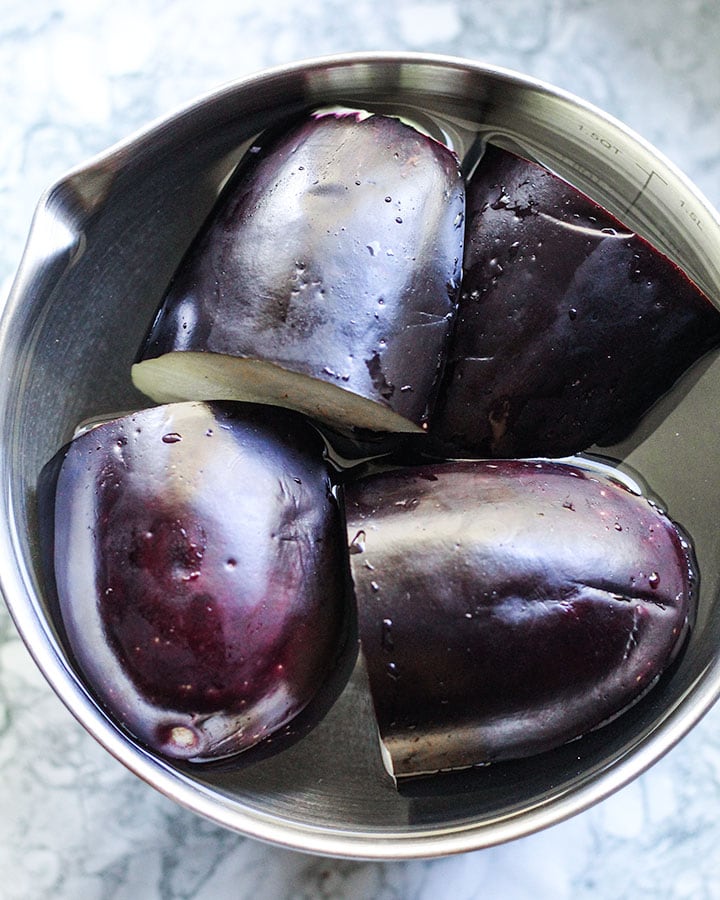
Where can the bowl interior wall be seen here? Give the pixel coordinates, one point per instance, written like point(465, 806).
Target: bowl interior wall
point(106, 241)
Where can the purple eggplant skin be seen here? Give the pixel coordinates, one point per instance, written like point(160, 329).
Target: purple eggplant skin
point(200, 572)
point(507, 607)
point(569, 327)
point(334, 258)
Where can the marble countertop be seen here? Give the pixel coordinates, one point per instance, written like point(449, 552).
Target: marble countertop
point(77, 75)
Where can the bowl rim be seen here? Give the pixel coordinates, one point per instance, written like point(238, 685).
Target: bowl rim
point(16, 580)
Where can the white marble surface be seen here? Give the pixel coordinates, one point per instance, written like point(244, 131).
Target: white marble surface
point(76, 75)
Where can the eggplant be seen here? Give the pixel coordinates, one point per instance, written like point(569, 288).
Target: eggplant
point(508, 607)
point(198, 559)
point(325, 280)
point(569, 326)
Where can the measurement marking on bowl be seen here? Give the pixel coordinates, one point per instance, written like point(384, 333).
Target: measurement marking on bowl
point(651, 173)
point(694, 217)
point(683, 204)
point(603, 141)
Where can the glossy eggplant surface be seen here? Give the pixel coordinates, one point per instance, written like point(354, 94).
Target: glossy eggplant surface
point(326, 278)
point(200, 570)
point(570, 327)
point(508, 607)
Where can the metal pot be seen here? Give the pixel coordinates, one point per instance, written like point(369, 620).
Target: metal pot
point(103, 245)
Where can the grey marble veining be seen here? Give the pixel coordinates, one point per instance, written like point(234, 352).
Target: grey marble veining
point(77, 75)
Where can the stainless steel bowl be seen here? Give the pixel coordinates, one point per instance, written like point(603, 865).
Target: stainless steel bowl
point(103, 245)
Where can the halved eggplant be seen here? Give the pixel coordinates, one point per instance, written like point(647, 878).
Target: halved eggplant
point(569, 326)
point(198, 556)
point(325, 280)
point(508, 607)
